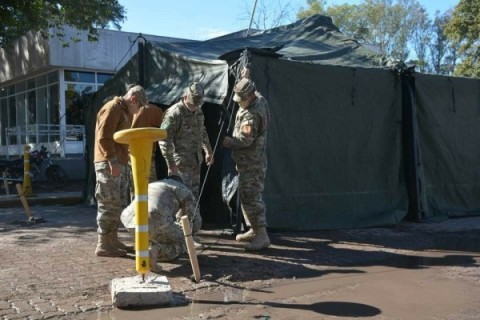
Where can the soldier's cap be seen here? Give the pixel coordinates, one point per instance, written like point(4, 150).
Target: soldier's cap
point(243, 89)
point(195, 93)
point(140, 93)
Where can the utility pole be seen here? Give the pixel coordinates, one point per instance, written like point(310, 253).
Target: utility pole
point(251, 18)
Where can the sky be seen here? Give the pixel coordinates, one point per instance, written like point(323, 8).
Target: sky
point(206, 19)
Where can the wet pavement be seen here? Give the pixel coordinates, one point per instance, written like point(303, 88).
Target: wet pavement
point(413, 271)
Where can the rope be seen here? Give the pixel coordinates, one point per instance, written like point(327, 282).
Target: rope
point(129, 50)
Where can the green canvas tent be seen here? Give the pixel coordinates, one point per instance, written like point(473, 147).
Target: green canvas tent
point(355, 140)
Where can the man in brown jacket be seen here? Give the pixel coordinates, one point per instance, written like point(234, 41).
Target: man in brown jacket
point(111, 169)
point(151, 116)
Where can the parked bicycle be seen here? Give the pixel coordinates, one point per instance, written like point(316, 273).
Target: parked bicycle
point(40, 162)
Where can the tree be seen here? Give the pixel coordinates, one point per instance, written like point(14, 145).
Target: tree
point(443, 51)
point(18, 17)
point(267, 17)
point(350, 20)
point(421, 38)
point(314, 7)
point(464, 28)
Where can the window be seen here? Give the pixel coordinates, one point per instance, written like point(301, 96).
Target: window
point(103, 77)
point(79, 76)
point(52, 77)
point(3, 121)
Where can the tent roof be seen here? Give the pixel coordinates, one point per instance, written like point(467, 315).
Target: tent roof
point(314, 39)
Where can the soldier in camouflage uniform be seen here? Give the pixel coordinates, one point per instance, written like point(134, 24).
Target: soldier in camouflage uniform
point(186, 137)
point(249, 152)
point(111, 169)
point(167, 199)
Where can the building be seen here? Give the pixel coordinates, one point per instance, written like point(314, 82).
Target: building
point(42, 83)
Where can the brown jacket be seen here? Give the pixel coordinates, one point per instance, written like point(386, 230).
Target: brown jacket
point(148, 116)
point(112, 117)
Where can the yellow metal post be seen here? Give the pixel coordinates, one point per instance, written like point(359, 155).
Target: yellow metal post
point(27, 183)
point(140, 141)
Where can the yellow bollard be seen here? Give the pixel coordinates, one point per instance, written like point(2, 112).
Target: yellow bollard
point(140, 141)
point(27, 183)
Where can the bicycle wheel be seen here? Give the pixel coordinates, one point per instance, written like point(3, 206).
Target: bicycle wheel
point(56, 176)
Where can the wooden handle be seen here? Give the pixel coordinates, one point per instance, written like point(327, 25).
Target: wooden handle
point(192, 253)
point(24, 201)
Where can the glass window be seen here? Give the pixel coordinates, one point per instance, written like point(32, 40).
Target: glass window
point(52, 77)
point(31, 107)
point(12, 117)
point(31, 84)
point(42, 113)
point(3, 121)
point(11, 89)
point(103, 77)
point(74, 96)
point(20, 87)
point(41, 80)
point(31, 116)
point(53, 105)
point(21, 114)
point(79, 76)
point(3, 92)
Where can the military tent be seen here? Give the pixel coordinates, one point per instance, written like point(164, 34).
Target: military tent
point(355, 140)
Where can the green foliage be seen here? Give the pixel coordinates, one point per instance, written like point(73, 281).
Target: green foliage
point(17, 17)
point(314, 7)
point(464, 28)
point(400, 29)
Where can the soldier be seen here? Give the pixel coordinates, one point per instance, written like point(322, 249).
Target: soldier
point(249, 152)
point(186, 137)
point(111, 169)
point(168, 199)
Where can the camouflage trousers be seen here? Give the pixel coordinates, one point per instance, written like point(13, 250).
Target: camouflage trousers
point(112, 194)
point(251, 181)
point(167, 238)
point(191, 178)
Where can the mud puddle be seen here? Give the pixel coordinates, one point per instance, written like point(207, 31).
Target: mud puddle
point(411, 286)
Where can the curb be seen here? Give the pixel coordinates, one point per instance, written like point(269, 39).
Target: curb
point(68, 198)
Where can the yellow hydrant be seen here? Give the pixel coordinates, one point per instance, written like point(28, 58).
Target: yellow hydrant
point(27, 183)
point(140, 141)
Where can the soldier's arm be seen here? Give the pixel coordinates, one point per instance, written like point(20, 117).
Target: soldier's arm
point(106, 126)
point(170, 123)
point(247, 133)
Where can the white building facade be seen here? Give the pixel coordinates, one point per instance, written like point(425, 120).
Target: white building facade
point(42, 84)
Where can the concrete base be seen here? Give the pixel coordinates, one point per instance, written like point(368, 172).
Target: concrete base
point(132, 292)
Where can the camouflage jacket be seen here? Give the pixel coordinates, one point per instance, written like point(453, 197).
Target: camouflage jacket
point(250, 133)
point(186, 136)
point(165, 198)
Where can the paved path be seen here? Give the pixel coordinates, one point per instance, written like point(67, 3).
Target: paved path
point(48, 270)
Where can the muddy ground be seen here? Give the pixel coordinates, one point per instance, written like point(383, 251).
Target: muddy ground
point(411, 271)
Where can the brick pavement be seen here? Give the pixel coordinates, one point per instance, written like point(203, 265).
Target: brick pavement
point(48, 270)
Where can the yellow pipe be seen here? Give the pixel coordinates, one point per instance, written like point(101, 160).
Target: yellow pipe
point(140, 141)
point(27, 183)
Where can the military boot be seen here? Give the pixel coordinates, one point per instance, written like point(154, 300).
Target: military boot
point(120, 245)
point(153, 256)
point(106, 248)
point(197, 244)
point(245, 237)
point(260, 241)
